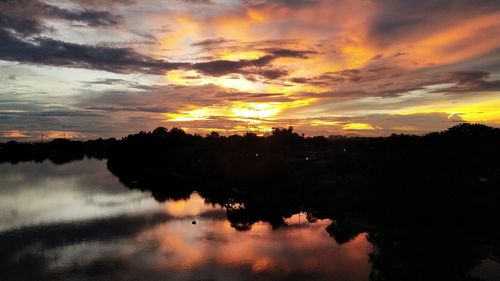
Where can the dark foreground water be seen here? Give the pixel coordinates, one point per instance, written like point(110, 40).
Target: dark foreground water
point(78, 222)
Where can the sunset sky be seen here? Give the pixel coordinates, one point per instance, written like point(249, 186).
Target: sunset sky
point(88, 68)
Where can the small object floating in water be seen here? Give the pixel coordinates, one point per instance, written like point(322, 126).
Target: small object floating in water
point(193, 222)
point(484, 180)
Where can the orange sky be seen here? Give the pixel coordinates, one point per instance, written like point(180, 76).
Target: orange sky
point(356, 67)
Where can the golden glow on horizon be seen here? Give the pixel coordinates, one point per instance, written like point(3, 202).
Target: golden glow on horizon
point(255, 110)
point(358, 126)
point(194, 114)
point(37, 135)
point(324, 123)
point(249, 112)
point(15, 134)
point(469, 111)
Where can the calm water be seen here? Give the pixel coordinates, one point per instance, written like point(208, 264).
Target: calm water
point(78, 222)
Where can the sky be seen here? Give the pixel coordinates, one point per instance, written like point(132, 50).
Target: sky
point(86, 68)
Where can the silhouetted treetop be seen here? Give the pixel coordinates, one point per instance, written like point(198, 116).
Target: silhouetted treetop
point(160, 132)
point(471, 130)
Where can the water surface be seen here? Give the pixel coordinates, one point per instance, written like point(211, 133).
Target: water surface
point(78, 222)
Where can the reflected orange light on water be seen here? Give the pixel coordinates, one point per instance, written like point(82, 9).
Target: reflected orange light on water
point(300, 247)
point(192, 207)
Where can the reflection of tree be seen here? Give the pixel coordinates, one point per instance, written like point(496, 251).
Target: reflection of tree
point(58, 151)
point(388, 180)
point(423, 256)
point(343, 232)
point(239, 219)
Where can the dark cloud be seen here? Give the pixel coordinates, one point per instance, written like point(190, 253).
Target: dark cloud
point(471, 81)
point(92, 18)
point(276, 48)
point(391, 82)
point(198, 1)
point(249, 68)
point(395, 27)
point(302, 54)
point(14, 20)
point(169, 98)
point(290, 3)
point(105, 4)
point(151, 109)
point(46, 51)
point(122, 82)
point(465, 77)
point(272, 73)
point(53, 113)
point(211, 42)
point(224, 67)
point(35, 10)
point(258, 66)
point(109, 81)
point(19, 24)
point(26, 17)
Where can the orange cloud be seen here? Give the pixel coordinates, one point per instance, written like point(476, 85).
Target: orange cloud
point(468, 39)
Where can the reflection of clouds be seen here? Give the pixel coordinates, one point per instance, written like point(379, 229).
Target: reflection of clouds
point(99, 247)
point(195, 206)
point(67, 224)
point(186, 252)
point(44, 193)
point(260, 251)
point(155, 245)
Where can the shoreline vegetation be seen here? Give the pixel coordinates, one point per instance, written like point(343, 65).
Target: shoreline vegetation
point(429, 204)
point(442, 177)
point(61, 150)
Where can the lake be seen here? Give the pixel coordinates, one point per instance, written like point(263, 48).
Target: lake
point(76, 221)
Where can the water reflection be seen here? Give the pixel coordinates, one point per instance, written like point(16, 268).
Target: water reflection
point(212, 248)
point(77, 222)
point(41, 193)
point(194, 206)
